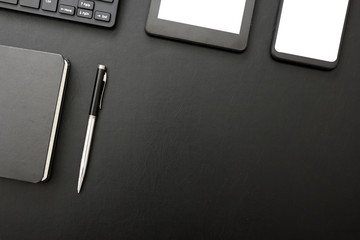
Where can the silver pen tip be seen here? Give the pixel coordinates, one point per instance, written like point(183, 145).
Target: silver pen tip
point(79, 185)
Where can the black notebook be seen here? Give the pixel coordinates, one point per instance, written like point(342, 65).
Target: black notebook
point(32, 87)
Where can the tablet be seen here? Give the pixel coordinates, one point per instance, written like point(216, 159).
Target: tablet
point(224, 24)
point(310, 31)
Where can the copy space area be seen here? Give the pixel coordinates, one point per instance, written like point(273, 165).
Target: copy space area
point(311, 28)
point(224, 15)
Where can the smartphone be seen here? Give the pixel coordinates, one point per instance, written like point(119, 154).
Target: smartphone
point(310, 32)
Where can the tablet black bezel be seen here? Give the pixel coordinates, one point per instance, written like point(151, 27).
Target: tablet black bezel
point(200, 35)
point(299, 59)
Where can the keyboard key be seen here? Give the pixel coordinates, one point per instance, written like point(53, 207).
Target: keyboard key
point(49, 5)
point(30, 3)
point(102, 16)
point(9, 1)
point(86, 4)
point(68, 10)
point(84, 13)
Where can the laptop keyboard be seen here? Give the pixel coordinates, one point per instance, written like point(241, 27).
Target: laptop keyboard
point(95, 12)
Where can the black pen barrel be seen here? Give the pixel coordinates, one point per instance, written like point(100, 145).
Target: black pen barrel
point(98, 88)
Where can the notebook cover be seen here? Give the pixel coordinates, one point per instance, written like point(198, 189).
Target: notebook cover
point(32, 87)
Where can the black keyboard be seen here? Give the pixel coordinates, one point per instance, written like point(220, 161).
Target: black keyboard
point(95, 12)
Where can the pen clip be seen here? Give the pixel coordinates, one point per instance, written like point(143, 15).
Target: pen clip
point(103, 90)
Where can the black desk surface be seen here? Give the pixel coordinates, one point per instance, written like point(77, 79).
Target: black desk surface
point(193, 142)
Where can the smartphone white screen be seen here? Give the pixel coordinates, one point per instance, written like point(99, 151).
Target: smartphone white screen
point(311, 28)
point(221, 15)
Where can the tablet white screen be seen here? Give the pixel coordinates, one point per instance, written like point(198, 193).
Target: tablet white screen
point(221, 15)
point(311, 28)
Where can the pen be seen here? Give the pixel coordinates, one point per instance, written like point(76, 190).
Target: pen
point(96, 104)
